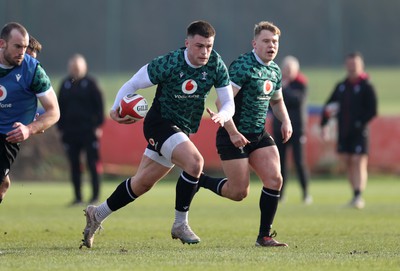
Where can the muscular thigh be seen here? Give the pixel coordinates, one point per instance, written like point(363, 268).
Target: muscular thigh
point(237, 171)
point(265, 162)
point(186, 156)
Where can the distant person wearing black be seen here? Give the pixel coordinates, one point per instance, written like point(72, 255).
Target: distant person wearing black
point(294, 89)
point(354, 104)
point(82, 114)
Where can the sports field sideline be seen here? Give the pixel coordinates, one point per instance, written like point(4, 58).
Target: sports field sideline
point(39, 231)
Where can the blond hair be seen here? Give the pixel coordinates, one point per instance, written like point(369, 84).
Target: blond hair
point(265, 25)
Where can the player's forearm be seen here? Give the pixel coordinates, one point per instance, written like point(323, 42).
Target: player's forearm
point(230, 127)
point(280, 111)
point(44, 121)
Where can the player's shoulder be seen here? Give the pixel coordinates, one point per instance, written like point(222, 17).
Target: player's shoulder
point(169, 60)
point(215, 60)
point(274, 66)
point(215, 54)
point(30, 64)
point(365, 78)
point(245, 57)
point(90, 78)
point(243, 61)
point(41, 81)
point(171, 55)
point(30, 60)
point(301, 79)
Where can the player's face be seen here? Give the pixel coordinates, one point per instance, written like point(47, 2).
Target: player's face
point(354, 66)
point(266, 45)
point(199, 49)
point(14, 49)
point(77, 68)
point(288, 72)
point(31, 52)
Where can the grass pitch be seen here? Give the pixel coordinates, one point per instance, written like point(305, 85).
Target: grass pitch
point(39, 232)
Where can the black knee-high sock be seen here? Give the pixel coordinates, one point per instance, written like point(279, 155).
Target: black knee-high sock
point(211, 183)
point(186, 187)
point(268, 206)
point(122, 196)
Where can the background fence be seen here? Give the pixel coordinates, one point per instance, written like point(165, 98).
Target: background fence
point(122, 35)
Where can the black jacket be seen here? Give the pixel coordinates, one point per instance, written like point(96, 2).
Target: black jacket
point(357, 105)
point(295, 97)
point(81, 107)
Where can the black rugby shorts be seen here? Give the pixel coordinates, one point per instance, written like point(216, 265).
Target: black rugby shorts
point(228, 151)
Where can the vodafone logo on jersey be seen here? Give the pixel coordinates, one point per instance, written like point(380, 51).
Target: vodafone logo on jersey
point(268, 87)
point(189, 86)
point(3, 93)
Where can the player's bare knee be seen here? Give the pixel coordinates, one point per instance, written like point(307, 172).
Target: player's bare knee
point(278, 184)
point(199, 162)
point(140, 185)
point(239, 195)
point(195, 165)
point(274, 183)
point(5, 182)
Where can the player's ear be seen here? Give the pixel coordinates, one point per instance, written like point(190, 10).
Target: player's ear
point(253, 42)
point(2, 43)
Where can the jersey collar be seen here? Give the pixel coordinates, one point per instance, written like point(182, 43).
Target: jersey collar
point(6, 67)
point(188, 61)
point(259, 59)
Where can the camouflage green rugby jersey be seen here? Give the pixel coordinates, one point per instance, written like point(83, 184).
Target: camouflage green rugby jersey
point(182, 89)
point(258, 84)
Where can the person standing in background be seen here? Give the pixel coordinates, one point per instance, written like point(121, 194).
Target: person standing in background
point(82, 114)
point(354, 104)
point(23, 82)
point(294, 90)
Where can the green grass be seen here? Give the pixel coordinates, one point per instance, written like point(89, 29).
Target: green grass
point(321, 83)
point(39, 231)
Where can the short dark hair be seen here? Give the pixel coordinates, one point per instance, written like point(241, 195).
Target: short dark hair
point(34, 45)
point(202, 28)
point(5, 32)
point(355, 54)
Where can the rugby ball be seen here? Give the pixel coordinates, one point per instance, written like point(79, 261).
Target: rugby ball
point(133, 106)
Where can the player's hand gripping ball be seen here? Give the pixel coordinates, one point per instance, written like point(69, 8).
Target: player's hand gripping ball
point(133, 106)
